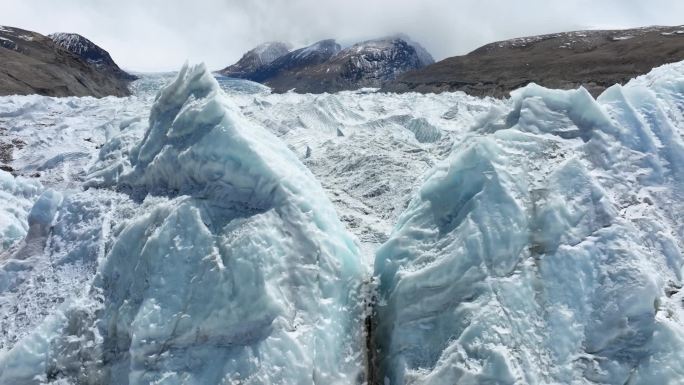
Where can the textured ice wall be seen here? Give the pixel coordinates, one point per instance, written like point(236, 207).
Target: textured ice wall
point(16, 198)
point(235, 270)
point(547, 248)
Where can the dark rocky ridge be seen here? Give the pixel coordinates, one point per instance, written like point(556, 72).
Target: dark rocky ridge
point(31, 63)
point(294, 64)
point(367, 64)
point(91, 53)
point(325, 67)
point(593, 59)
point(287, 65)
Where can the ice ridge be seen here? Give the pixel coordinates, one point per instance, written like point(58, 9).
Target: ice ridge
point(234, 270)
point(547, 248)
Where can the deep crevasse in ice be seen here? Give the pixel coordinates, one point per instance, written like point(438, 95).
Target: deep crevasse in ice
point(234, 270)
point(547, 248)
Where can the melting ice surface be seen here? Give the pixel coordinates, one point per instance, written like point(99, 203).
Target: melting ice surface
point(191, 236)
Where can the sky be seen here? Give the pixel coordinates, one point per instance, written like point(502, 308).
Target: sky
point(159, 35)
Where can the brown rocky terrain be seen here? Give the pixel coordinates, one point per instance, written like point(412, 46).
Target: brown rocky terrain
point(31, 63)
point(91, 53)
point(593, 59)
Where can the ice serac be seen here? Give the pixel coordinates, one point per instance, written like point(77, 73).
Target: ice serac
point(235, 271)
point(16, 198)
point(547, 249)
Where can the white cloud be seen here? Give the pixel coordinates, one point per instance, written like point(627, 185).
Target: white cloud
point(161, 34)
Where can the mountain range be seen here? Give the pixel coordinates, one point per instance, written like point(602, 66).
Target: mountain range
point(68, 64)
point(327, 67)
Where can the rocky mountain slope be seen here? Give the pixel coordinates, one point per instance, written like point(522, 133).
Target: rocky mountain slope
point(256, 59)
point(593, 59)
point(325, 67)
point(294, 64)
point(91, 53)
point(31, 63)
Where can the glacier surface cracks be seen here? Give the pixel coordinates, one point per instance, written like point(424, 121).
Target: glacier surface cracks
point(243, 237)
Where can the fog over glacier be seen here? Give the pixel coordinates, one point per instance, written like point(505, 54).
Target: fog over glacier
point(207, 231)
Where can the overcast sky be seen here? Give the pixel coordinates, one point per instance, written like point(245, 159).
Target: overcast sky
point(151, 35)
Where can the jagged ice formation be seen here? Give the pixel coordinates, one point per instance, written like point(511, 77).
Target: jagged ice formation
point(236, 271)
point(542, 245)
point(547, 248)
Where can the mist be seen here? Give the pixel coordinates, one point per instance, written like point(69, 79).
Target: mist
point(159, 35)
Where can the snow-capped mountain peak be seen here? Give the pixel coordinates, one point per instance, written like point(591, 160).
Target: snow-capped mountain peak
point(325, 67)
point(257, 58)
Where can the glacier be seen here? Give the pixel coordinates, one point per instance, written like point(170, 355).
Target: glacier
point(18, 196)
point(207, 231)
point(547, 248)
point(234, 269)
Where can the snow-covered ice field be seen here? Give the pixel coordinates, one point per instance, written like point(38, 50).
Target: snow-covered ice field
point(210, 232)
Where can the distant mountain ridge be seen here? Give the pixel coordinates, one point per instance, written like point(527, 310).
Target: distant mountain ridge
point(257, 58)
point(31, 63)
point(326, 67)
point(292, 64)
point(594, 59)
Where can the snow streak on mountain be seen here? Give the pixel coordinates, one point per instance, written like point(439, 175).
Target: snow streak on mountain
point(219, 234)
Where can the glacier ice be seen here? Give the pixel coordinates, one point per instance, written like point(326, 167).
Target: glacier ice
point(16, 199)
point(535, 240)
point(235, 269)
point(371, 171)
point(547, 248)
